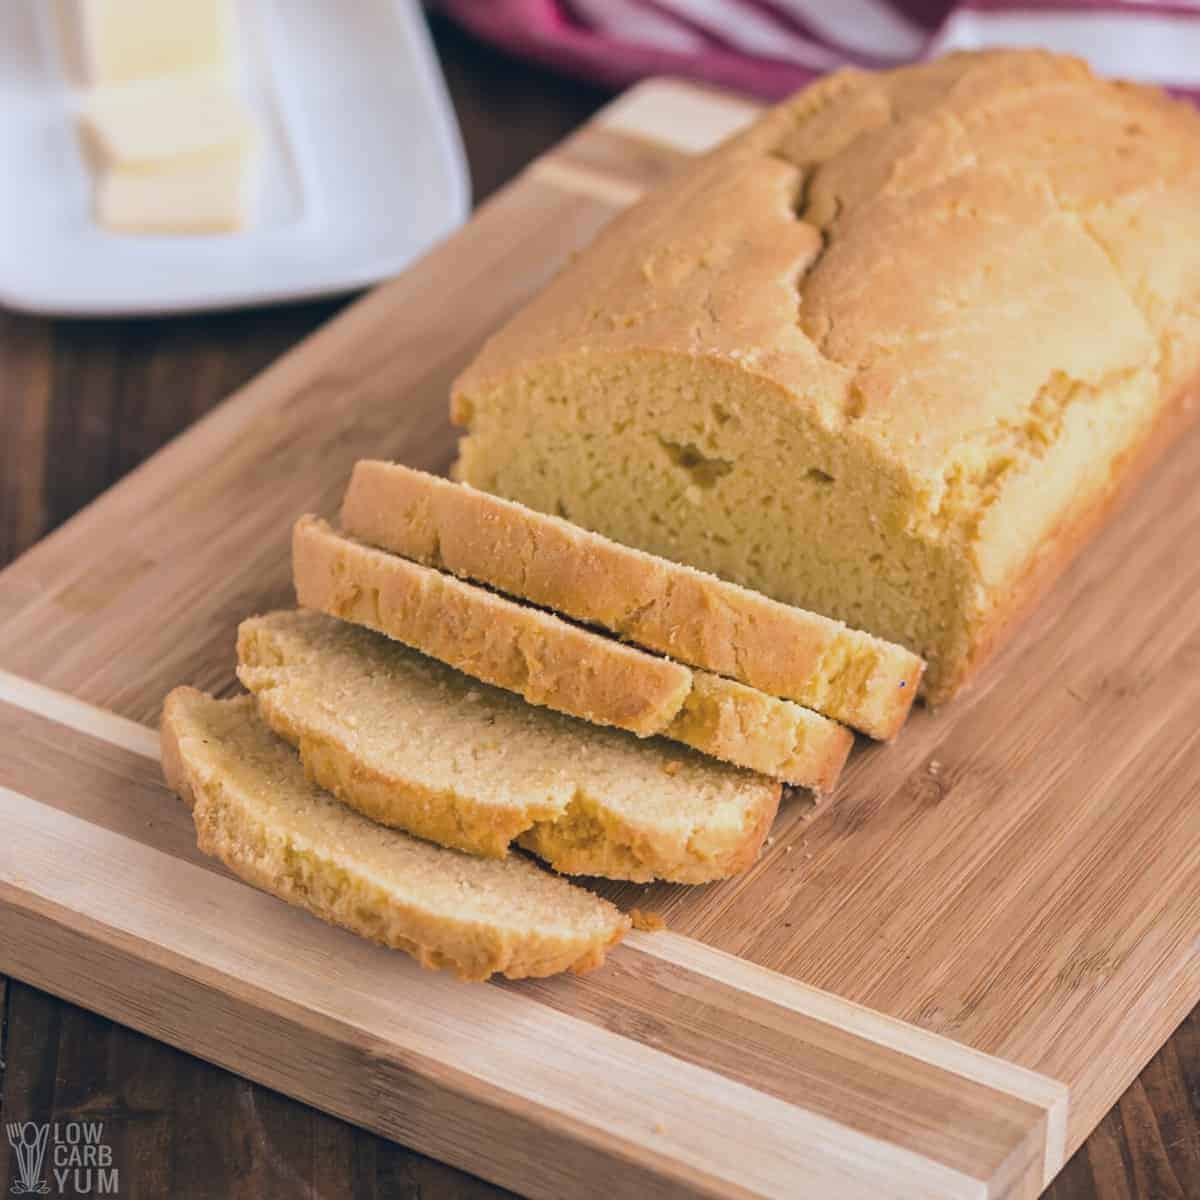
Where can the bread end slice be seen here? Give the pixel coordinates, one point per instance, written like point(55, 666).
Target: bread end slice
point(256, 812)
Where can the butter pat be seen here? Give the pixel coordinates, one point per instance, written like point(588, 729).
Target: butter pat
point(135, 124)
point(121, 40)
point(202, 193)
point(172, 142)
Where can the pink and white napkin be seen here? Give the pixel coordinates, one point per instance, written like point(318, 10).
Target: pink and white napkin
point(772, 47)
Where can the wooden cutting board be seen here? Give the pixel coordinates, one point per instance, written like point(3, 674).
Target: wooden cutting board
point(933, 987)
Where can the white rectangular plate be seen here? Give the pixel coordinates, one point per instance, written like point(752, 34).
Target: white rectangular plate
point(362, 167)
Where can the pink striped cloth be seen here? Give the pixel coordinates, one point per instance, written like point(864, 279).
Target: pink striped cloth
point(772, 47)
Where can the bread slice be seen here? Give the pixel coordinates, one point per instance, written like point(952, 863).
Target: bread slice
point(695, 617)
point(255, 811)
point(414, 744)
point(551, 662)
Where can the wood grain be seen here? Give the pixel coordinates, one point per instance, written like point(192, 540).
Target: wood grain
point(845, 1076)
point(23, 350)
point(966, 788)
point(246, 982)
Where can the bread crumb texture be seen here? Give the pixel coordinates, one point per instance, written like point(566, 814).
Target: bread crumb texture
point(647, 922)
point(664, 606)
point(554, 663)
point(418, 746)
point(869, 356)
point(255, 810)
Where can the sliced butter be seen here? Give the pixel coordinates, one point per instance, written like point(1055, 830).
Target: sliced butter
point(122, 40)
point(202, 193)
point(136, 124)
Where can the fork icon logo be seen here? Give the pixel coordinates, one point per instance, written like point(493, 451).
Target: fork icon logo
point(28, 1141)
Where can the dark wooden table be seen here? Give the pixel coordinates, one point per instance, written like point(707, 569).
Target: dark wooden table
point(81, 404)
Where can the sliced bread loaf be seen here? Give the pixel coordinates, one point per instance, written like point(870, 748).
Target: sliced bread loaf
point(255, 811)
point(888, 354)
point(414, 744)
point(551, 662)
point(677, 610)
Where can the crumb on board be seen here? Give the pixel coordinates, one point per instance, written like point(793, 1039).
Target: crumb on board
point(660, 1126)
point(672, 767)
point(647, 922)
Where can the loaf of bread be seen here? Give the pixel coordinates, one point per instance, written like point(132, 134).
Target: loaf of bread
point(887, 355)
point(674, 609)
point(418, 746)
point(255, 811)
point(552, 662)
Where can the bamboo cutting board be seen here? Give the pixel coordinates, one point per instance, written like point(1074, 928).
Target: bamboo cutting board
point(933, 987)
